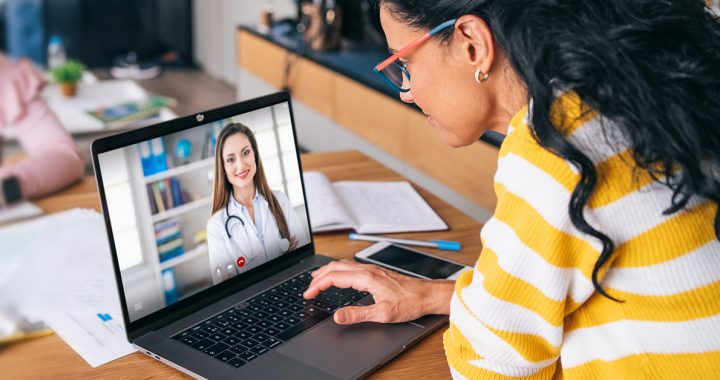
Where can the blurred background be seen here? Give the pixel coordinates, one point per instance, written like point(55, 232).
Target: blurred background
point(181, 33)
point(103, 67)
point(145, 61)
point(151, 60)
point(116, 65)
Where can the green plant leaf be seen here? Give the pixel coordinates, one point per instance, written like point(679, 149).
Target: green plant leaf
point(71, 71)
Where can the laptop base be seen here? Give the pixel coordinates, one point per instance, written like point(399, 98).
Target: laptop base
point(326, 351)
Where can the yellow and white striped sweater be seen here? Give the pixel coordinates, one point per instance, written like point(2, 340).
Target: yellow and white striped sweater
point(529, 309)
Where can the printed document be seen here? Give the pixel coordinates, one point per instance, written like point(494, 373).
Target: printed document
point(58, 269)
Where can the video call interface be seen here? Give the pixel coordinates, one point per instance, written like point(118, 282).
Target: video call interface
point(178, 230)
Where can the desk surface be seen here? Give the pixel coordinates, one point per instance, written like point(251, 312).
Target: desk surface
point(50, 357)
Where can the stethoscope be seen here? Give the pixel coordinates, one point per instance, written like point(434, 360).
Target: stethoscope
point(241, 261)
point(284, 243)
point(229, 218)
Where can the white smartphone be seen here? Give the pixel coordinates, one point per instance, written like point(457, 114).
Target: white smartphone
point(411, 261)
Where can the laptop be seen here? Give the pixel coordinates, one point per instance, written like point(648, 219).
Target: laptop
point(218, 321)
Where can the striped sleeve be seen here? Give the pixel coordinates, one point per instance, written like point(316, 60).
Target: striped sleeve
point(529, 309)
point(535, 267)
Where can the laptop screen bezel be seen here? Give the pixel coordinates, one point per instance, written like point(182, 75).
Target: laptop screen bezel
point(219, 291)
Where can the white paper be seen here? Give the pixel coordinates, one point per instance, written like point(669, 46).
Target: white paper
point(22, 210)
point(368, 207)
point(96, 340)
point(17, 241)
point(67, 265)
point(326, 211)
point(62, 273)
point(386, 207)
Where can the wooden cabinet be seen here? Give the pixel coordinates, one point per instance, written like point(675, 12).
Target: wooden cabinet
point(385, 122)
point(380, 120)
point(262, 58)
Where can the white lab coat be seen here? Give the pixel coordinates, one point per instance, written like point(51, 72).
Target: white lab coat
point(245, 241)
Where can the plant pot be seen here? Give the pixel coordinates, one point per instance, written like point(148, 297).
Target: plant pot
point(68, 89)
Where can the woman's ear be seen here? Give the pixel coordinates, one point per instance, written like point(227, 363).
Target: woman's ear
point(476, 41)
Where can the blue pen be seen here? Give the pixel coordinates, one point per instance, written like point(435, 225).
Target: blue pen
point(439, 244)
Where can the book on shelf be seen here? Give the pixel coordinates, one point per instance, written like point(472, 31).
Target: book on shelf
point(368, 207)
point(124, 114)
point(175, 191)
point(171, 249)
point(167, 200)
point(156, 202)
point(167, 230)
point(151, 200)
point(166, 194)
point(169, 239)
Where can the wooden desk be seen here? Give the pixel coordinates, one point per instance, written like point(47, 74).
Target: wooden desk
point(50, 357)
point(81, 194)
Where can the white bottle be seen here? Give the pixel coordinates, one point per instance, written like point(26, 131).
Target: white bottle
point(56, 52)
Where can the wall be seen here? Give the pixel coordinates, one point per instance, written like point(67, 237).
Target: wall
point(215, 23)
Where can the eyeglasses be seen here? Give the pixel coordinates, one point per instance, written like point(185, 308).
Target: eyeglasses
point(393, 72)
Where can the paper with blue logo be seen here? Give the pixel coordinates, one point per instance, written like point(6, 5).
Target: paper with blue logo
point(65, 278)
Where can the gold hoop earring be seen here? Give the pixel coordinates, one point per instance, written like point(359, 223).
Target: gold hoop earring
point(478, 77)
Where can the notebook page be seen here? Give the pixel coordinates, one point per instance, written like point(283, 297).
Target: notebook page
point(385, 207)
point(326, 211)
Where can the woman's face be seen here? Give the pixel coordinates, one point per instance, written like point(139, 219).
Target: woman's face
point(239, 160)
point(443, 84)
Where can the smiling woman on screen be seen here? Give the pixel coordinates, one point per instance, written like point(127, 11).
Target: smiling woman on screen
point(250, 224)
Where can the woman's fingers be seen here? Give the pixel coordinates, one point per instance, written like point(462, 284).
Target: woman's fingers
point(293, 242)
point(335, 265)
point(397, 297)
point(340, 279)
point(356, 314)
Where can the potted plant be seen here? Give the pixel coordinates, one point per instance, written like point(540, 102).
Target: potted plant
point(67, 75)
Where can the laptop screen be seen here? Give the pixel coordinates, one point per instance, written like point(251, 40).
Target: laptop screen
point(197, 207)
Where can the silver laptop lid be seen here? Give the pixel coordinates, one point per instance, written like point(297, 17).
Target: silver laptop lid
point(196, 205)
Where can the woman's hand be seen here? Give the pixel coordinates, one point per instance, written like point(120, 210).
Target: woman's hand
point(398, 298)
point(293, 243)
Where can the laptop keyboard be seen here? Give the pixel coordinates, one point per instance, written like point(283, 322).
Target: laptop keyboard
point(252, 328)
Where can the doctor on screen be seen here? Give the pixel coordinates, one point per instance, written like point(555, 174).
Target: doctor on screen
point(250, 224)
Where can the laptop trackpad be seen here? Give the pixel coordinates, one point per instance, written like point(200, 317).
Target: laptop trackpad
point(344, 351)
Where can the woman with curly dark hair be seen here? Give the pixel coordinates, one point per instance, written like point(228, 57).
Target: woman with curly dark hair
point(602, 258)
